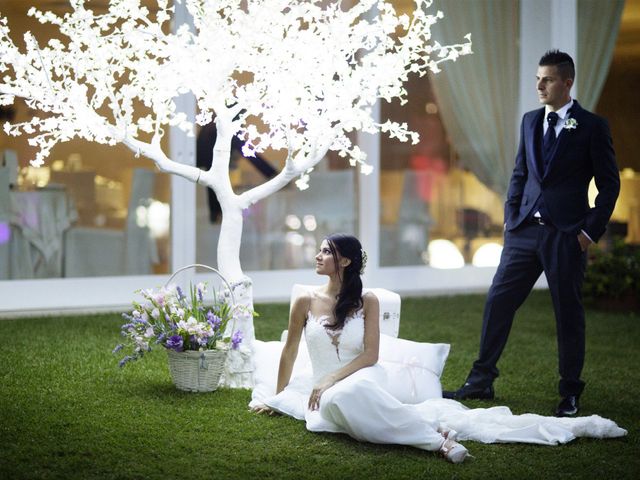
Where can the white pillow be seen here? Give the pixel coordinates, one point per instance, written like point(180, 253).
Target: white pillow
point(413, 368)
point(266, 357)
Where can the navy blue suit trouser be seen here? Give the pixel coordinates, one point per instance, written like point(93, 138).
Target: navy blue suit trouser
point(529, 250)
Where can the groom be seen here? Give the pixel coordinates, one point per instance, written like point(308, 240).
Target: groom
point(548, 227)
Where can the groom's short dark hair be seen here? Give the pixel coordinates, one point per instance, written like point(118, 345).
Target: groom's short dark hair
point(562, 61)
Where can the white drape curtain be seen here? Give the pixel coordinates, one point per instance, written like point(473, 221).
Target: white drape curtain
point(478, 96)
point(598, 24)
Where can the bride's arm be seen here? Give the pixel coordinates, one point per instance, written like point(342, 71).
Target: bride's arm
point(290, 350)
point(367, 358)
point(289, 353)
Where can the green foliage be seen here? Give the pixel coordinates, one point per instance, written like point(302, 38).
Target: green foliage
point(613, 274)
point(68, 412)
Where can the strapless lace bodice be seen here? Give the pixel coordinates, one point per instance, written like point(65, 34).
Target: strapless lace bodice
point(330, 349)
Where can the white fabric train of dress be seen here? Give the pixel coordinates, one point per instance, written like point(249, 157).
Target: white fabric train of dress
point(377, 406)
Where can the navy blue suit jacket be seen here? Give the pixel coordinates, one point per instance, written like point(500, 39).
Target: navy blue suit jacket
point(579, 155)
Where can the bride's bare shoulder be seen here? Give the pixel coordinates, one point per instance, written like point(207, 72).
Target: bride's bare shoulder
point(321, 297)
point(370, 305)
point(369, 299)
point(302, 301)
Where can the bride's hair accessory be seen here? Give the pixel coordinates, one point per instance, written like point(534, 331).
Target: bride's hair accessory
point(364, 261)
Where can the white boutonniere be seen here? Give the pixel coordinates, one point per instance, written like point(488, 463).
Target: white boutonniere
point(570, 124)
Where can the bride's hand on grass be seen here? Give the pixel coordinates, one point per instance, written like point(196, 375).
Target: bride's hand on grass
point(264, 409)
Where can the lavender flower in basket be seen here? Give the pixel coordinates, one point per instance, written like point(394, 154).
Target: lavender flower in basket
point(179, 322)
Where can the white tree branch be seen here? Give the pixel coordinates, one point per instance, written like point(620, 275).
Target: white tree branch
point(164, 163)
point(292, 169)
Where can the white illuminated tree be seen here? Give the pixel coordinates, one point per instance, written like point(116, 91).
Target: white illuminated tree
point(290, 75)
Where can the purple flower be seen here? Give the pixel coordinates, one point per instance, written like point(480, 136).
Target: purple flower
point(124, 361)
point(180, 293)
point(214, 320)
point(126, 328)
point(118, 348)
point(236, 339)
point(159, 299)
point(174, 342)
point(161, 338)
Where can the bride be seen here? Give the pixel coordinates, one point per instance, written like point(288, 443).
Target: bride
point(348, 391)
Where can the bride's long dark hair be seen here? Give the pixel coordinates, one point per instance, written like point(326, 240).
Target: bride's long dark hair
point(350, 297)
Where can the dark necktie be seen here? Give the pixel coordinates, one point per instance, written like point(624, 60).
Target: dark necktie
point(550, 137)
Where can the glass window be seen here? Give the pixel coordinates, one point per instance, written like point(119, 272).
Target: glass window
point(621, 110)
point(432, 211)
point(284, 230)
point(91, 210)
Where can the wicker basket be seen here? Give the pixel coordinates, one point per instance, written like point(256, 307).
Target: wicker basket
point(195, 371)
point(198, 371)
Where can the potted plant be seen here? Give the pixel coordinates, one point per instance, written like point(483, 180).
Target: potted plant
point(193, 328)
point(612, 280)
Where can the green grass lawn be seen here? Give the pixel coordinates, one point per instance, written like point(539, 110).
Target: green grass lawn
point(67, 411)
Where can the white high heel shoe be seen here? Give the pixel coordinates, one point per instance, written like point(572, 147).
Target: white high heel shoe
point(448, 433)
point(453, 451)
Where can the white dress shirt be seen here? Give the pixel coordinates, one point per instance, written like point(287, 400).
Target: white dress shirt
point(562, 118)
point(563, 115)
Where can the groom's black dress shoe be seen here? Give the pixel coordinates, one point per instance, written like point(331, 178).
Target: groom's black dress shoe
point(568, 406)
point(470, 392)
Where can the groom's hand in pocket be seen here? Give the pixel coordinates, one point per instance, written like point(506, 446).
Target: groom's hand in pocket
point(584, 241)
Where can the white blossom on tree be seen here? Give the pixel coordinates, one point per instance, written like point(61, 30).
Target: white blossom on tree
point(292, 75)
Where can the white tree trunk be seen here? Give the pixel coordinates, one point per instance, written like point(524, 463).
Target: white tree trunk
point(239, 367)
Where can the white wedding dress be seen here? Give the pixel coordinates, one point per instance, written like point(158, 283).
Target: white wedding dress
point(389, 402)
